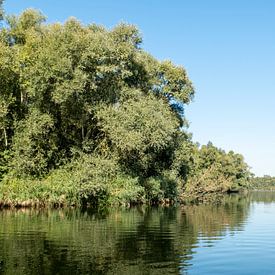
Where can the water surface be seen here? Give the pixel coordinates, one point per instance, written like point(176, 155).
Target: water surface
point(236, 237)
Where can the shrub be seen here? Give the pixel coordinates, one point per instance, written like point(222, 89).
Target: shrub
point(125, 190)
point(206, 181)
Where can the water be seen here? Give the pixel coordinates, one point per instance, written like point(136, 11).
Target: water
point(236, 237)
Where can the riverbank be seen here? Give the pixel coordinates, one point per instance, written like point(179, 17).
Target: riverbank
point(62, 189)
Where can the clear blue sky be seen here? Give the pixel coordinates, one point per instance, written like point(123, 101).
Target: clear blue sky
point(227, 48)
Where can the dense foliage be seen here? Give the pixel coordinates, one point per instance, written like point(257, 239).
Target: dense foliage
point(1, 10)
point(87, 116)
point(263, 183)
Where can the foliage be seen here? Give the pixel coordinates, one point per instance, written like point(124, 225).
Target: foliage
point(4, 159)
point(126, 190)
point(88, 117)
point(263, 183)
point(206, 181)
point(138, 132)
point(1, 10)
point(230, 165)
point(31, 154)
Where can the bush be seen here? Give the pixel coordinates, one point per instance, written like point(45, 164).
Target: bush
point(125, 190)
point(56, 190)
point(33, 145)
point(205, 182)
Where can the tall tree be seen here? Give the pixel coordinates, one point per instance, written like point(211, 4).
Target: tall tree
point(1, 10)
point(84, 97)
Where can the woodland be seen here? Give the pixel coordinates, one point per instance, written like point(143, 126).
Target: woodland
point(88, 117)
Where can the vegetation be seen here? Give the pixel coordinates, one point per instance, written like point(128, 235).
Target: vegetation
point(263, 183)
point(1, 10)
point(88, 117)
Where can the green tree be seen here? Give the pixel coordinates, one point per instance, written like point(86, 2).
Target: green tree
point(33, 145)
point(74, 97)
point(1, 10)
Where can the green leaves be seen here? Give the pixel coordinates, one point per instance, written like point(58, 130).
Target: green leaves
point(68, 88)
point(139, 130)
point(1, 10)
point(139, 124)
point(20, 27)
point(174, 82)
point(33, 145)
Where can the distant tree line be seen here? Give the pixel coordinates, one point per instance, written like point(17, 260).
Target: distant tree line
point(263, 183)
point(87, 116)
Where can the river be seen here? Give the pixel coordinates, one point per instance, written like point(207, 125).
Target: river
point(234, 237)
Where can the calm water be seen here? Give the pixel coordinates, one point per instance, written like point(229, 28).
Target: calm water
point(236, 237)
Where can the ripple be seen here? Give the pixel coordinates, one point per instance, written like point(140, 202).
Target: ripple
point(236, 237)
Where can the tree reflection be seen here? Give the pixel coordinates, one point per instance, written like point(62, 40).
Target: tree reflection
point(130, 241)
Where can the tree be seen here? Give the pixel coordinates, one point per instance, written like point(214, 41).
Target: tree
point(74, 98)
point(33, 145)
point(1, 10)
point(74, 73)
point(140, 130)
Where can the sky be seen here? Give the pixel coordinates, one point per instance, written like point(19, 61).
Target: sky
point(227, 48)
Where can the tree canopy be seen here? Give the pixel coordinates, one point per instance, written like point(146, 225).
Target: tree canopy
point(74, 93)
point(1, 10)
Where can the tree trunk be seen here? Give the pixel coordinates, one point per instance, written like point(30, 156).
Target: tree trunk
point(5, 137)
point(82, 132)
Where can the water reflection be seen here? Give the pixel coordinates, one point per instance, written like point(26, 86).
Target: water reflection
point(131, 241)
